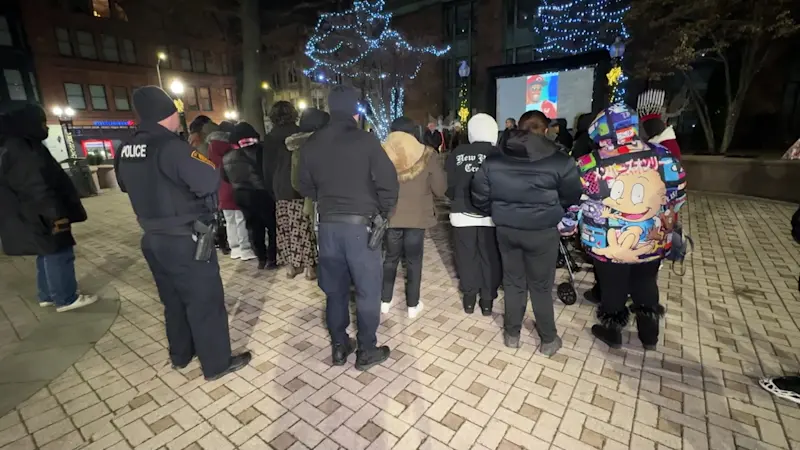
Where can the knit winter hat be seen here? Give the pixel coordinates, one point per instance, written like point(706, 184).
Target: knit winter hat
point(343, 99)
point(616, 125)
point(152, 104)
point(312, 120)
point(243, 135)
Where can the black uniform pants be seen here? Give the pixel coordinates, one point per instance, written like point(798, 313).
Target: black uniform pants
point(194, 301)
point(529, 264)
point(408, 244)
point(345, 259)
point(258, 208)
point(477, 263)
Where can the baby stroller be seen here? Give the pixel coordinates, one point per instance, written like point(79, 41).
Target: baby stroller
point(566, 290)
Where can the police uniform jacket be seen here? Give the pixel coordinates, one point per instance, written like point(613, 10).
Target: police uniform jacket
point(169, 184)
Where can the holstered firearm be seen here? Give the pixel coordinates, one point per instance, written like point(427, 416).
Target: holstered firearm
point(205, 230)
point(377, 229)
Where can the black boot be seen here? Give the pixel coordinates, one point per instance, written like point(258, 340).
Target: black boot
point(468, 301)
point(647, 319)
point(368, 358)
point(342, 351)
point(609, 330)
point(237, 362)
point(486, 305)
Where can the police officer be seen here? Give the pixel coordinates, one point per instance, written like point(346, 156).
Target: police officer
point(171, 190)
point(347, 172)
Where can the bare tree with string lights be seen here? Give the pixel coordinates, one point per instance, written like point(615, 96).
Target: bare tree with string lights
point(359, 44)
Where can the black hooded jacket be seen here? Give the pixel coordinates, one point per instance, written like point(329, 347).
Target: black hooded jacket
point(278, 162)
point(37, 199)
point(528, 185)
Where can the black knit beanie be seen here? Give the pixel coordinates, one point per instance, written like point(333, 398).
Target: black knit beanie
point(152, 104)
point(243, 130)
point(403, 124)
point(343, 99)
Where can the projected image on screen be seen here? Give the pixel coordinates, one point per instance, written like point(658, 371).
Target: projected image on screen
point(559, 95)
point(542, 94)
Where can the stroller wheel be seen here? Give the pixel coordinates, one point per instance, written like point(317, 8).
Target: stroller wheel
point(561, 262)
point(566, 293)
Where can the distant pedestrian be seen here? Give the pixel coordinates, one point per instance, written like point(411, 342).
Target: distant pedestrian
point(526, 187)
point(171, 188)
point(302, 253)
point(433, 137)
point(235, 224)
point(288, 202)
point(474, 238)
point(39, 204)
point(345, 170)
point(421, 178)
point(242, 167)
point(197, 137)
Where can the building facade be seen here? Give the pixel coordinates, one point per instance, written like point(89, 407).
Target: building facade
point(17, 72)
point(91, 54)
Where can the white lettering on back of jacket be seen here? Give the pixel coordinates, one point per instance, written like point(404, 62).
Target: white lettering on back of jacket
point(468, 161)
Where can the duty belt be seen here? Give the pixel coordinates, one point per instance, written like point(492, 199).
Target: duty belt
point(351, 219)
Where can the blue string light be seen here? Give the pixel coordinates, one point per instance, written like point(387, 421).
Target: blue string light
point(570, 27)
point(360, 44)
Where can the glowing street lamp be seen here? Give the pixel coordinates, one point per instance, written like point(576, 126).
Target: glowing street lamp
point(301, 105)
point(176, 87)
point(264, 85)
point(232, 115)
point(177, 90)
point(65, 116)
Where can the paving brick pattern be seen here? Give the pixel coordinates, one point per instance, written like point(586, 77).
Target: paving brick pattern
point(450, 382)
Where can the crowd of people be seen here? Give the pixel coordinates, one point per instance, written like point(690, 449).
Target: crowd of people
point(616, 182)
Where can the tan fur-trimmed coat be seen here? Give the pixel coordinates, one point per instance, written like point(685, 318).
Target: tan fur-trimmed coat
point(421, 177)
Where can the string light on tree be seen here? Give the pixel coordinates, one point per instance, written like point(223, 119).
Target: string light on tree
point(359, 44)
point(616, 76)
point(463, 99)
point(571, 27)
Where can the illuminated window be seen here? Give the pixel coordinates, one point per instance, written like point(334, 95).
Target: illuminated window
point(75, 98)
point(64, 44)
point(230, 103)
point(86, 46)
point(100, 8)
point(98, 94)
point(205, 99)
point(16, 89)
point(121, 102)
point(5, 32)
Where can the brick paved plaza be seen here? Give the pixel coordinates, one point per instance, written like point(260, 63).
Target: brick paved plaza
point(450, 382)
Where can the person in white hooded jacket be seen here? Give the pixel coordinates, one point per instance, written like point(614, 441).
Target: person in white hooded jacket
point(475, 244)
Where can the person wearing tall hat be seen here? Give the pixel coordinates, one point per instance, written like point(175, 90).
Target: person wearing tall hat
point(172, 190)
point(345, 170)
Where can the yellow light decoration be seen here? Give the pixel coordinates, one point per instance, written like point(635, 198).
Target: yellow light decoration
point(179, 105)
point(463, 114)
point(614, 75)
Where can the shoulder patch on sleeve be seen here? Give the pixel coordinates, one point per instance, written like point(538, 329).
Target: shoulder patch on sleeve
point(200, 157)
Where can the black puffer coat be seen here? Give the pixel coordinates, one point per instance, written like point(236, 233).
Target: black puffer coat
point(528, 185)
point(38, 202)
point(278, 159)
point(242, 168)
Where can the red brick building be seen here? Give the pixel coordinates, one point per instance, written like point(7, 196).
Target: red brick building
point(91, 54)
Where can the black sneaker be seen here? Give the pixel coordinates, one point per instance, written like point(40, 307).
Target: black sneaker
point(269, 265)
point(237, 362)
point(342, 351)
point(486, 311)
point(787, 388)
point(612, 337)
point(468, 302)
point(510, 341)
point(368, 358)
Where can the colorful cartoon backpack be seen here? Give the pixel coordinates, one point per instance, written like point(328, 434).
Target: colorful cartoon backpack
point(634, 191)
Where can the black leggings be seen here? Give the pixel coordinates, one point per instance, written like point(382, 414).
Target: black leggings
point(618, 281)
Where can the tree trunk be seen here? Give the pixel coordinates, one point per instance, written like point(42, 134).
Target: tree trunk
point(251, 62)
point(731, 119)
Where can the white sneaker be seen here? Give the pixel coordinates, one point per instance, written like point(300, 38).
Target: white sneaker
point(83, 300)
point(385, 307)
point(236, 253)
point(247, 255)
point(46, 304)
point(414, 310)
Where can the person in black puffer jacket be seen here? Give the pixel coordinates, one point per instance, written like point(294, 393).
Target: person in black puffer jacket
point(526, 188)
point(242, 169)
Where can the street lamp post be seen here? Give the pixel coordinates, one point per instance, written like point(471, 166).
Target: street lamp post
point(177, 90)
point(161, 57)
point(65, 116)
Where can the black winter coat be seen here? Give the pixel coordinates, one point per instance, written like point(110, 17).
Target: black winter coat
point(461, 165)
point(528, 185)
point(37, 198)
point(242, 168)
point(278, 162)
